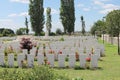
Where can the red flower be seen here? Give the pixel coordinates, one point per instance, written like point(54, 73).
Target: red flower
point(77, 56)
point(88, 59)
point(60, 52)
point(48, 63)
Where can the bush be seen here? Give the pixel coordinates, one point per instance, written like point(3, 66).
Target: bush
point(58, 31)
point(52, 34)
point(42, 34)
point(77, 78)
point(26, 43)
point(37, 73)
point(1, 35)
point(62, 39)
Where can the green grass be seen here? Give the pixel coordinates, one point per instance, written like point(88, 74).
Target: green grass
point(109, 67)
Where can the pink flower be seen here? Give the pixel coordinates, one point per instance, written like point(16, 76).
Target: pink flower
point(50, 51)
point(88, 59)
point(48, 63)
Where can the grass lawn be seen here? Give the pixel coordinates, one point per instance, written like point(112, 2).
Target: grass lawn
point(109, 67)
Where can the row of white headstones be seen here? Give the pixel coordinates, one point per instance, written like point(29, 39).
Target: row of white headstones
point(51, 60)
point(84, 42)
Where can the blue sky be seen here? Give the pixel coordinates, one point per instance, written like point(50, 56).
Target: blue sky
point(13, 12)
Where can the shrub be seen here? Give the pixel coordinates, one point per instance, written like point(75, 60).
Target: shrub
point(77, 78)
point(1, 35)
point(58, 31)
point(66, 59)
point(26, 44)
point(42, 34)
point(37, 73)
point(62, 39)
point(52, 34)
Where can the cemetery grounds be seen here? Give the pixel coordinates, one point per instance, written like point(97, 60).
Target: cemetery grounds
point(108, 67)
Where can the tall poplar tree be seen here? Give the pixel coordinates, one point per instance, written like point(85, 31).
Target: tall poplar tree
point(48, 22)
point(67, 15)
point(26, 24)
point(83, 25)
point(36, 12)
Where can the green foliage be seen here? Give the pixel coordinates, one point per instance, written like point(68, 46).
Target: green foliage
point(61, 39)
point(26, 24)
point(58, 31)
point(6, 32)
point(1, 35)
point(67, 59)
point(113, 22)
point(78, 78)
point(52, 34)
point(67, 15)
point(36, 12)
point(98, 28)
point(42, 33)
point(21, 31)
point(48, 22)
point(83, 25)
point(37, 73)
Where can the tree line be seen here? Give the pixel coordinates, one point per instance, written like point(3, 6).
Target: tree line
point(110, 24)
point(67, 16)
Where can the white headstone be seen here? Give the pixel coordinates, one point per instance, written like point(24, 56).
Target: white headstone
point(2, 59)
point(50, 58)
point(24, 51)
point(61, 60)
point(30, 59)
point(94, 61)
point(97, 51)
point(20, 58)
point(72, 60)
point(10, 60)
point(40, 59)
point(82, 59)
point(33, 51)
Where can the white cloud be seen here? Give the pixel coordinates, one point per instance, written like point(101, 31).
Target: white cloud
point(83, 7)
point(105, 11)
point(105, 0)
point(80, 5)
point(98, 3)
point(20, 1)
point(23, 14)
point(105, 8)
point(12, 15)
point(111, 6)
point(7, 23)
point(18, 15)
point(86, 9)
